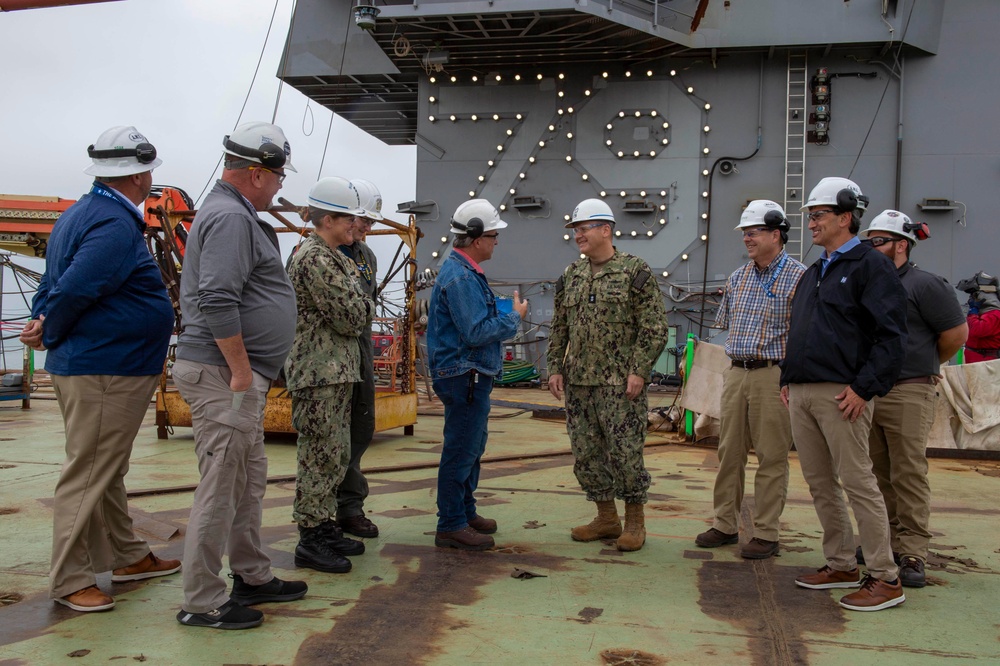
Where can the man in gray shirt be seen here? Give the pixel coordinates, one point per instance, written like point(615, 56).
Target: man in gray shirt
point(902, 419)
point(238, 312)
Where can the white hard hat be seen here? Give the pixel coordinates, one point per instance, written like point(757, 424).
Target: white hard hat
point(897, 223)
point(121, 151)
point(763, 213)
point(843, 194)
point(474, 217)
point(262, 143)
point(591, 209)
point(371, 198)
point(337, 195)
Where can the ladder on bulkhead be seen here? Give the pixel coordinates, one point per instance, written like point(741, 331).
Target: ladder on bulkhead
point(796, 118)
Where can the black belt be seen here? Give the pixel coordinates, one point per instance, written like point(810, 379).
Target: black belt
point(927, 379)
point(754, 365)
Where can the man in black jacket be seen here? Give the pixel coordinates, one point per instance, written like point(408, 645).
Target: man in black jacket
point(845, 346)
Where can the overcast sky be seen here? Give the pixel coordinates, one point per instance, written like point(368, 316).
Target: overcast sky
point(179, 71)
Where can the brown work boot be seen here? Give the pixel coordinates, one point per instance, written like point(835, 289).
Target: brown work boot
point(88, 600)
point(634, 534)
point(759, 549)
point(874, 595)
point(463, 539)
point(714, 538)
point(606, 526)
point(483, 525)
point(827, 578)
point(148, 567)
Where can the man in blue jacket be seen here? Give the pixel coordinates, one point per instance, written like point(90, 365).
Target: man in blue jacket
point(104, 316)
point(845, 346)
point(464, 332)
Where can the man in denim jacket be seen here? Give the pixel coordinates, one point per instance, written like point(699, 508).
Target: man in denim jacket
point(464, 333)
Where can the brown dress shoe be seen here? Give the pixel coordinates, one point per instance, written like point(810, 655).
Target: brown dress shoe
point(483, 525)
point(827, 578)
point(874, 595)
point(88, 600)
point(148, 567)
point(714, 538)
point(358, 526)
point(463, 539)
point(759, 549)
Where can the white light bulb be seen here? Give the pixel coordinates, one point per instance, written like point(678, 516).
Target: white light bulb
point(708, 107)
point(453, 79)
point(503, 207)
point(704, 237)
point(706, 128)
point(519, 116)
point(552, 128)
point(663, 206)
point(638, 114)
point(430, 118)
point(482, 179)
point(431, 99)
point(562, 76)
point(622, 193)
point(704, 195)
point(560, 111)
point(621, 154)
point(628, 74)
point(499, 148)
point(434, 254)
point(649, 72)
point(511, 190)
point(608, 142)
point(585, 177)
point(474, 78)
point(472, 193)
point(517, 77)
point(538, 76)
point(653, 113)
point(666, 274)
point(433, 80)
point(569, 135)
point(566, 217)
point(609, 126)
point(673, 72)
point(690, 90)
point(490, 163)
point(704, 216)
point(532, 159)
point(452, 118)
point(666, 125)
point(444, 239)
point(561, 93)
point(705, 150)
point(521, 175)
point(618, 233)
point(569, 158)
point(566, 237)
point(603, 193)
point(663, 221)
point(474, 117)
point(510, 132)
point(586, 93)
point(652, 153)
point(621, 114)
point(541, 144)
point(649, 233)
point(569, 109)
point(635, 153)
point(634, 233)
point(604, 74)
point(496, 117)
point(704, 172)
point(684, 257)
point(498, 77)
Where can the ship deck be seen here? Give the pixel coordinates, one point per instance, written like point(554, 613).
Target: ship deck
point(407, 602)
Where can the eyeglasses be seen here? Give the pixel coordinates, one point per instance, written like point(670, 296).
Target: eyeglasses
point(816, 214)
point(493, 236)
point(279, 174)
point(753, 233)
point(879, 241)
point(587, 227)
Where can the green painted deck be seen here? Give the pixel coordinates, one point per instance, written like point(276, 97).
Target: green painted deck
point(407, 602)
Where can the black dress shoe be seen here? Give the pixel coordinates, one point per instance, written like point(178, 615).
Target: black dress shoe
point(911, 572)
point(358, 526)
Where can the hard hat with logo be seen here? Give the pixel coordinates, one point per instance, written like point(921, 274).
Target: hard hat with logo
point(371, 199)
point(841, 193)
point(763, 213)
point(475, 217)
point(262, 143)
point(336, 195)
point(121, 151)
point(897, 223)
point(591, 209)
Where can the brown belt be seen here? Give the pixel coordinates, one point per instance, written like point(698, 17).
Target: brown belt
point(927, 379)
point(754, 365)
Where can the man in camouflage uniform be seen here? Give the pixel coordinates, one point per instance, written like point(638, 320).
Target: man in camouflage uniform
point(353, 489)
point(609, 327)
point(321, 371)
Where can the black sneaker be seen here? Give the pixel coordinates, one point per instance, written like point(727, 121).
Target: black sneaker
point(229, 615)
point(274, 590)
point(860, 557)
point(911, 572)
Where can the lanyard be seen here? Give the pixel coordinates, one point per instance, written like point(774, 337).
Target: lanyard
point(104, 192)
point(766, 286)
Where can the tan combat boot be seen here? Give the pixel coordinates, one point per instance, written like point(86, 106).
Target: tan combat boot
point(634, 534)
point(606, 526)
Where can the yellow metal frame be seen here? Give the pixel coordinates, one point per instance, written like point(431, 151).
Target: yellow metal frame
point(393, 409)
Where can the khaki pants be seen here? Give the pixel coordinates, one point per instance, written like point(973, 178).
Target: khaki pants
point(228, 504)
point(752, 416)
point(898, 448)
point(833, 453)
point(92, 531)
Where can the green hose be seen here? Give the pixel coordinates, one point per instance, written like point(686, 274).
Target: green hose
point(515, 372)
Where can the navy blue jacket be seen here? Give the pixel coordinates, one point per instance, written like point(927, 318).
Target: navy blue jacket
point(848, 326)
point(106, 309)
point(464, 328)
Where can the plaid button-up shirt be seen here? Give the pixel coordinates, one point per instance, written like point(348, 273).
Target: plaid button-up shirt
point(756, 308)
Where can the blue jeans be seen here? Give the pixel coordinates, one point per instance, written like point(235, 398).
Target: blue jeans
point(465, 432)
